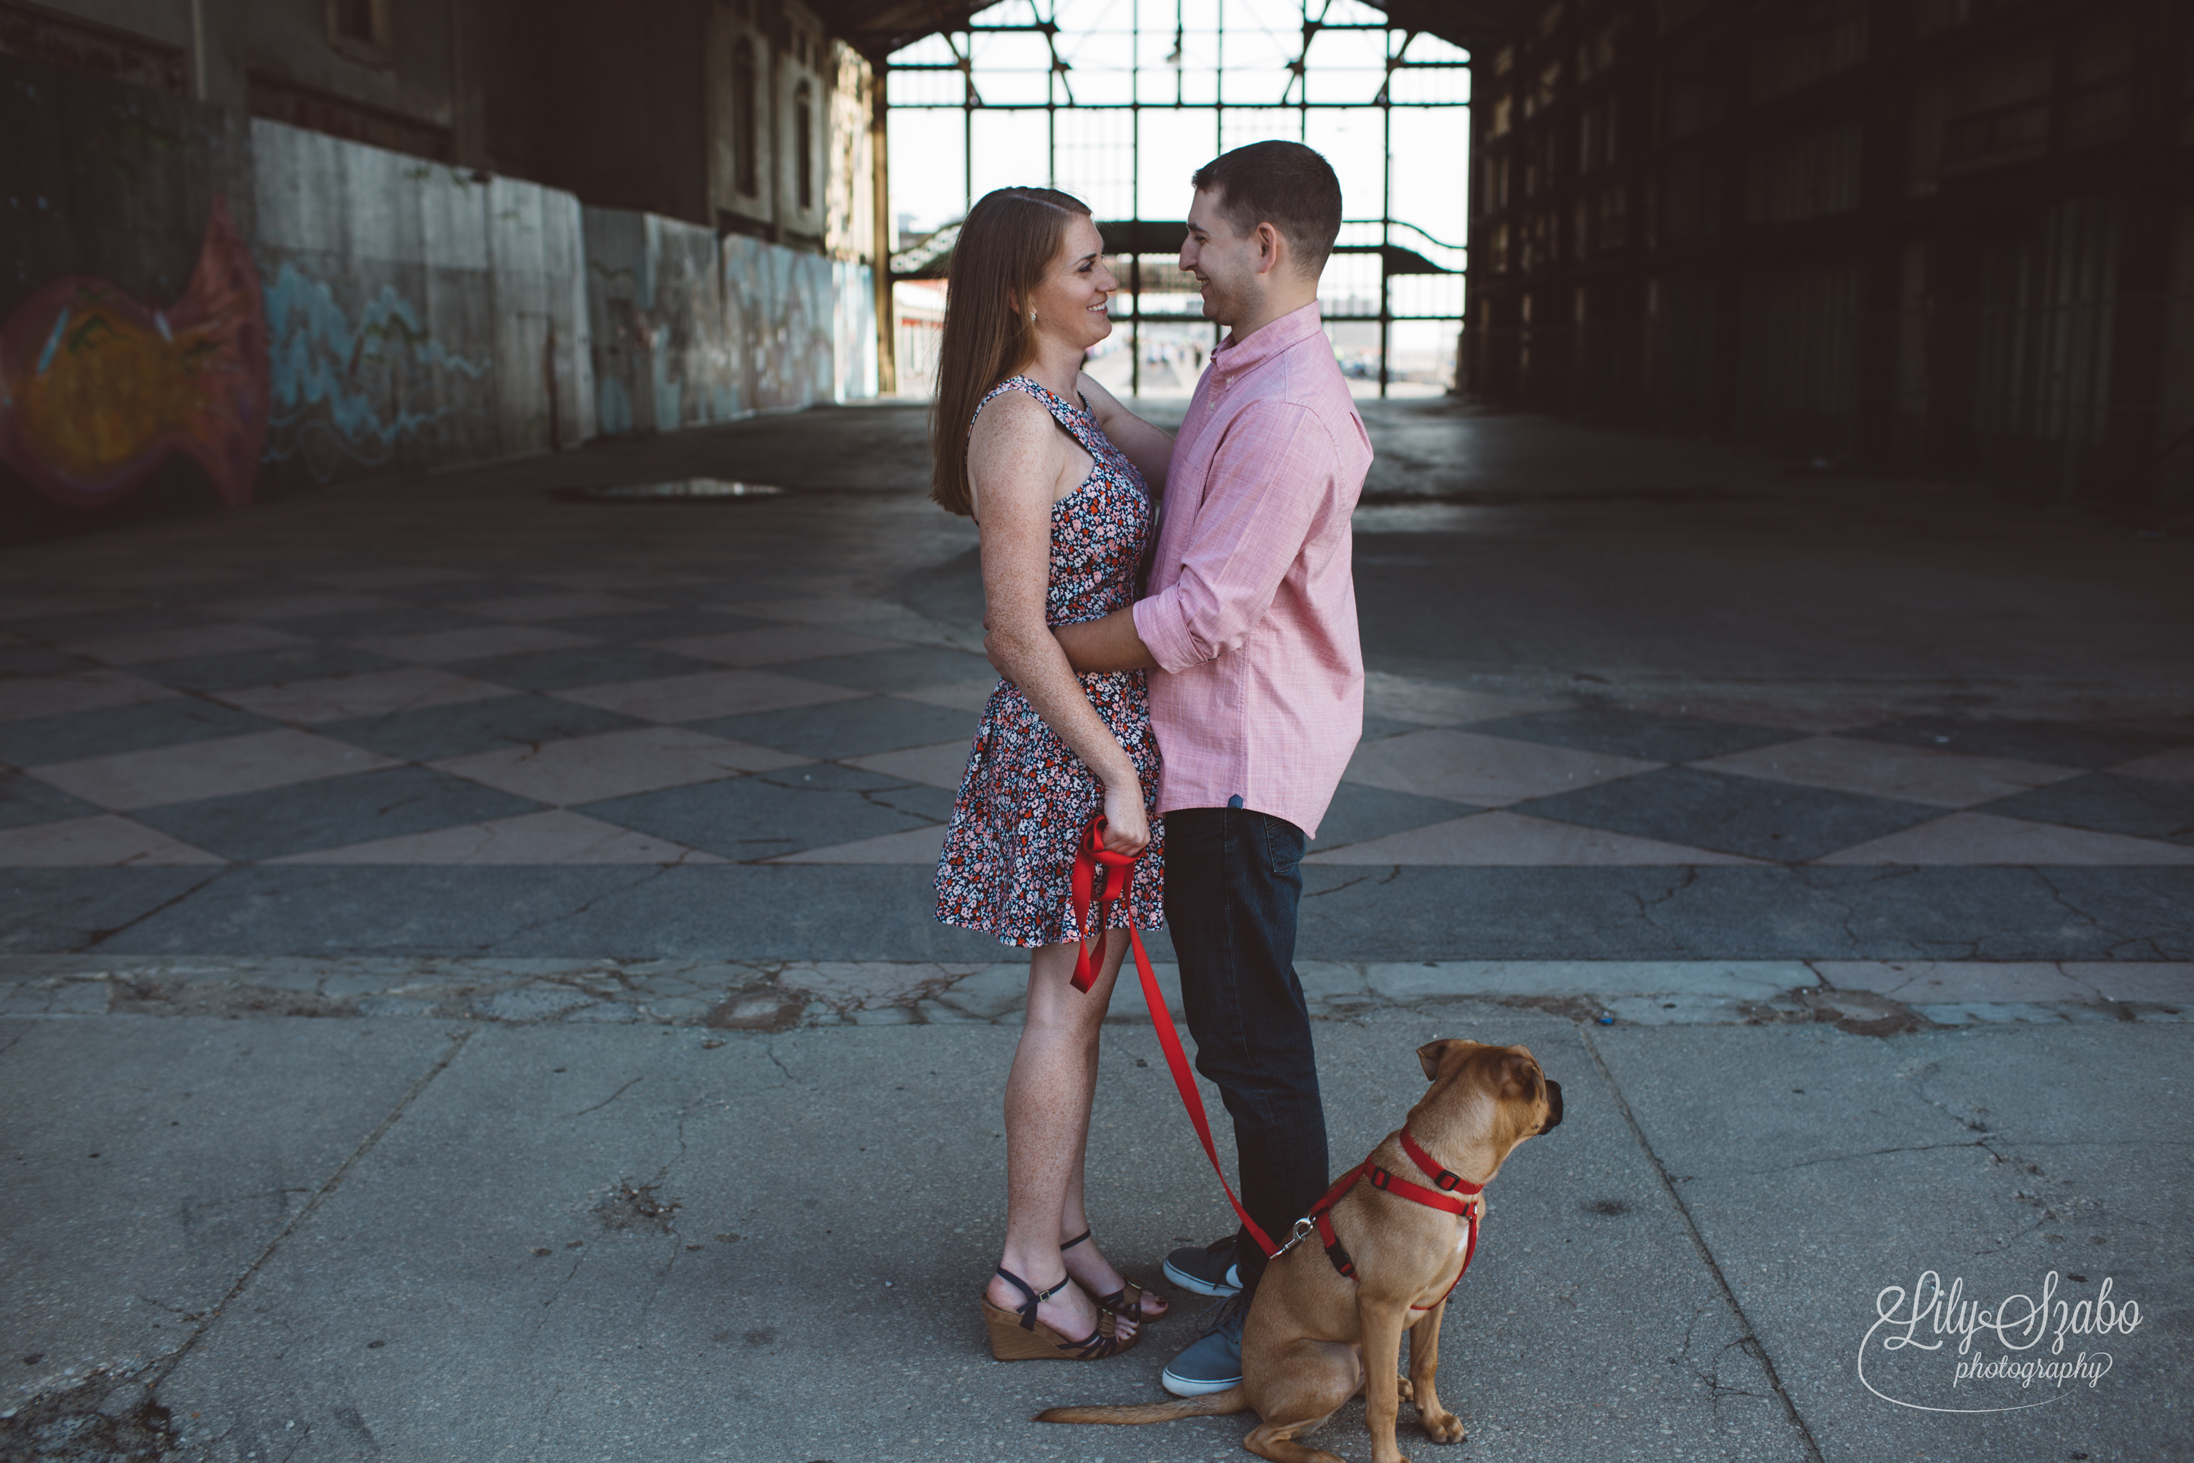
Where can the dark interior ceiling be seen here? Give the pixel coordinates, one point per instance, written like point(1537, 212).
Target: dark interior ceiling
point(876, 28)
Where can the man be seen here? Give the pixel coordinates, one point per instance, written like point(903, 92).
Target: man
point(1256, 685)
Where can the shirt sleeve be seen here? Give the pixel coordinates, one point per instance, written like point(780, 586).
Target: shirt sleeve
point(1269, 480)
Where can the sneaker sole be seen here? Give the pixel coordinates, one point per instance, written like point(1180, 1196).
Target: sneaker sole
point(1202, 1287)
point(1195, 1386)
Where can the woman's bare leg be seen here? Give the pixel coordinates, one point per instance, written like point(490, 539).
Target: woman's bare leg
point(1048, 1098)
point(1086, 1262)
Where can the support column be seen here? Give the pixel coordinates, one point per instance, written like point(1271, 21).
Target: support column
point(887, 311)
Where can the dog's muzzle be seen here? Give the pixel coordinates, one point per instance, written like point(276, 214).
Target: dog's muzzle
point(1553, 1106)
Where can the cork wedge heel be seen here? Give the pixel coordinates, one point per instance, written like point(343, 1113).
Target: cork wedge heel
point(1017, 1335)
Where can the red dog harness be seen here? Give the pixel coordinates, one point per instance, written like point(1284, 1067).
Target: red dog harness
point(1093, 854)
point(1442, 1197)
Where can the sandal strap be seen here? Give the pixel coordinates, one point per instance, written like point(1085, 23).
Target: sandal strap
point(1027, 1309)
point(1066, 1245)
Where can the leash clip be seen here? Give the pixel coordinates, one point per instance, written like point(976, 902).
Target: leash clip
point(1302, 1227)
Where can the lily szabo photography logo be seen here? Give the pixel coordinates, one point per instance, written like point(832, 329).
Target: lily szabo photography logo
point(1936, 1349)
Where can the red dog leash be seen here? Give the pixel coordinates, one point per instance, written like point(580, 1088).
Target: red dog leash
point(1087, 860)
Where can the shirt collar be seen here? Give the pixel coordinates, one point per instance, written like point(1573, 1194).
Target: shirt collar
point(1267, 341)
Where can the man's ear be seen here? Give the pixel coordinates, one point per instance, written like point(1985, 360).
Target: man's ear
point(1433, 1053)
point(1268, 249)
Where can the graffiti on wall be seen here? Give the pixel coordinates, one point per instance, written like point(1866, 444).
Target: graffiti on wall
point(354, 390)
point(780, 306)
point(96, 390)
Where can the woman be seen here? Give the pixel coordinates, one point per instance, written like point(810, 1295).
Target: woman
point(1065, 517)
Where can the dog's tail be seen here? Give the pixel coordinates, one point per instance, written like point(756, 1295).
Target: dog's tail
point(1218, 1404)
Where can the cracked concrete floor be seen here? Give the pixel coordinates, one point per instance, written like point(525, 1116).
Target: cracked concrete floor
point(370, 1238)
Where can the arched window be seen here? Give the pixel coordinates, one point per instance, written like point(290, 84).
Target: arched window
point(803, 138)
point(746, 149)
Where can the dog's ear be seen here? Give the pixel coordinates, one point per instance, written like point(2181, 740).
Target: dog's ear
point(1433, 1053)
point(1519, 1072)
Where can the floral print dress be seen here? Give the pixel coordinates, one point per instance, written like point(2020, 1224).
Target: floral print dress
point(1026, 798)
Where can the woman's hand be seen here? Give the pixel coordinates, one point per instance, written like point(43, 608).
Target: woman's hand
point(1127, 828)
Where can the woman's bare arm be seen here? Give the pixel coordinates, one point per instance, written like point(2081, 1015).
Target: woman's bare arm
point(1148, 447)
point(1017, 460)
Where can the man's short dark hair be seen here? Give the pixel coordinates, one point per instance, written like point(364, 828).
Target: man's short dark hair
point(1284, 184)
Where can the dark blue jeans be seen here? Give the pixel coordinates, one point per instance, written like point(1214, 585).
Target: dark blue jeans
point(1232, 887)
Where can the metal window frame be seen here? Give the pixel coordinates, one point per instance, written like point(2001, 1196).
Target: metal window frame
point(1394, 256)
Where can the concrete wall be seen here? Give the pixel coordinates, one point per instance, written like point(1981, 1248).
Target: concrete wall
point(417, 317)
point(689, 327)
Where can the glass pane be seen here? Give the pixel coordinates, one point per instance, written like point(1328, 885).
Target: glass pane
point(1175, 145)
point(1096, 160)
point(1431, 166)
point(928, 187)
point(1012, 149)
point(1353, 142)
point(1241, 126)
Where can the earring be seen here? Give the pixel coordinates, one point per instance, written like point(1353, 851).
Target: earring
point(1032, 317)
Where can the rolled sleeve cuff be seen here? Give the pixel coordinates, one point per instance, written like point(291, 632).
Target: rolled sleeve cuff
point(1159, 625)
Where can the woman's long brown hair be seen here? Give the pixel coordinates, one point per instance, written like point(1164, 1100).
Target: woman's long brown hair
point(1010, 238)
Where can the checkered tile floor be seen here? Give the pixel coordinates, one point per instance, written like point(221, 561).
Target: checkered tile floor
point(747, 712)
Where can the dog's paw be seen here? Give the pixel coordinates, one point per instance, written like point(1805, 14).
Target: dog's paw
point(1443, 1427)
point(1405, 1389)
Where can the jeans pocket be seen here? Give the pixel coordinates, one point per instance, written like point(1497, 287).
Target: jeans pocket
point(1283, 847)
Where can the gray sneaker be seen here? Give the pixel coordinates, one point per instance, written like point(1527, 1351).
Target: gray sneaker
point(1209, 1270)
point(1213, 1361)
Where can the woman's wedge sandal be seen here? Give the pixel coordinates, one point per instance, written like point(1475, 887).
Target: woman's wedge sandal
point(1017, 1335)
point(1127, 1301)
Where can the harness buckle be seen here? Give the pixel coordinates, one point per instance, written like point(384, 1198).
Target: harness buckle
point(1380, 1178)
point(1447, 1181)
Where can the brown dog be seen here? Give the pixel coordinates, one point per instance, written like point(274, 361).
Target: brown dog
point(1315, 1338)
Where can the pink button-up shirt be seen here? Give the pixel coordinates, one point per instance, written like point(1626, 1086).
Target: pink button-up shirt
point(1252, 608)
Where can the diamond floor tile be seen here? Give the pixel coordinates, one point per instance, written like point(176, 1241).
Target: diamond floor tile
point(1891, 770)
point(333, 812)
point(27, 800)
point(476, 726)
point(941, 764)
point(2141, 807)
point(901, 668)
point(533, 608)
point(915, 846)
point(849, 728)
point(615, 764)
point(955, 695)
point(282, 608)
point(374, 693)
point(659, 625)
point(444, 647)
point(115, 729)
point(186, 642)
point(2176, 765)
point(767, 816)
point(2058, 743)
point(1488, 771)
point(103, 841)
point(1644, 735)
point(1359, 812)
point(20, 659)
point(40, 696)
point(1422, 703)
point(309, 662)
point(773, 645)
point(1743, 815)
point(589, 665)
point(214, 768)
point(554, 837)
point(709, 694)
point(1975, 839)
point(394, 576)
point(1508, 839)
point(368, 624)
